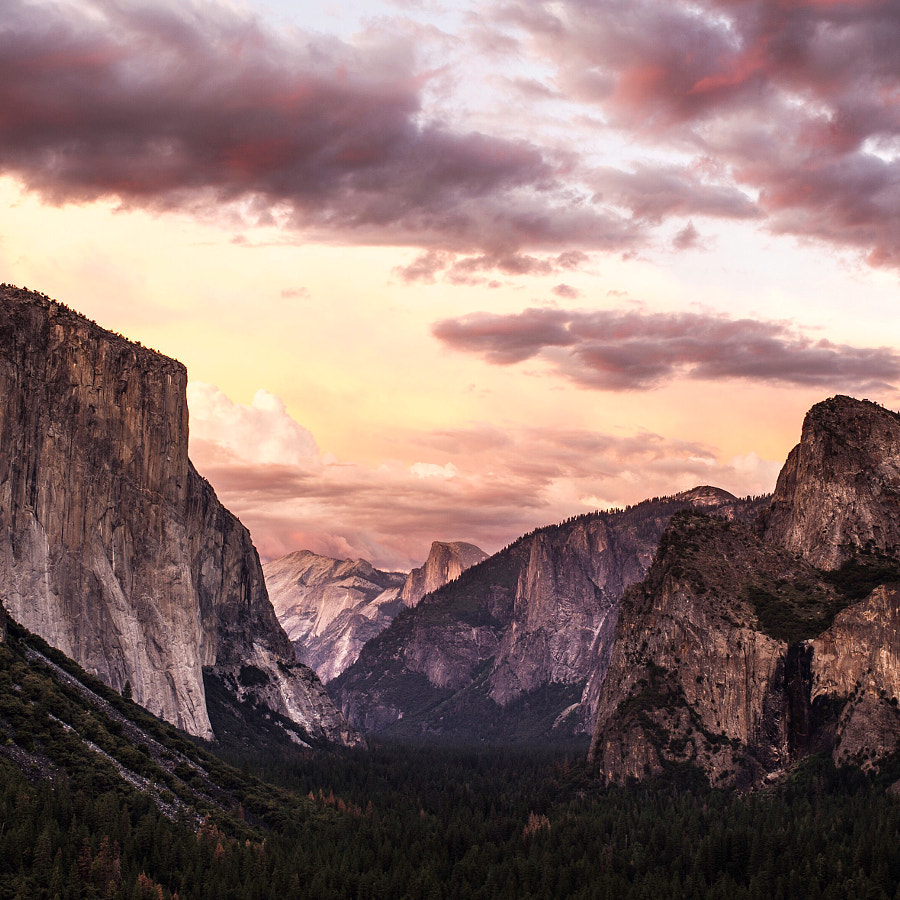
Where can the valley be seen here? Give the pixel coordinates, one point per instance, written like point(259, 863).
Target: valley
point(608, 706)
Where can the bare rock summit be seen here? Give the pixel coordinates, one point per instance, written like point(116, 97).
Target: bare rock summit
point(330, 607)
point(839, 490)
point(446, 562)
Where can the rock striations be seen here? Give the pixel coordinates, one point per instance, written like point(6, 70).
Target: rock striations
point(840, 487)
point(697, 672)
point(744, 650)
point(445, 563)
point(112, 548)
point(331, 607)
point(507, 650)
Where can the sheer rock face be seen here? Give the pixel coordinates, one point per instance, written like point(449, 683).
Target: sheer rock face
point(840, 486)
point(112, 548)
point(796, 669)
point(329, 607)
point(694, 676)
point(856, 664)
point(446, 562)
point(529, 627)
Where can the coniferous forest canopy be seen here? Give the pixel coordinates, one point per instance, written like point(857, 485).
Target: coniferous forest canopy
point(397, 820)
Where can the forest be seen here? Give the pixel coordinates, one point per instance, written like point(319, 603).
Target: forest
point(98, 799)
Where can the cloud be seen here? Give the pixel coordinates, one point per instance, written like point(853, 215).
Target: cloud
point(470, 269)
point(430, 470)
point(625, 350)
point(199, 106)
point(687, 238)
point(792, 102)
point(261, 432)
point(481, 483)
point(784, 113)
point(300, 293)
point(654, 193)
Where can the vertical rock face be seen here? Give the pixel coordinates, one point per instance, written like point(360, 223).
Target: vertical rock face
point(855, 665)
point(329, 607)
point(508, 648)
point(840, 487)
point(738, 654)
point(112, 548)
point(446, 562)
point(698, 670)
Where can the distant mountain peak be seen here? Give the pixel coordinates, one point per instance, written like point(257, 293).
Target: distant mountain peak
point(446, 561)
point(706, 495)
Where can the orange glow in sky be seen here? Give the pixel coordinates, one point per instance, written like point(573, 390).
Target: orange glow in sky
point(414, 311)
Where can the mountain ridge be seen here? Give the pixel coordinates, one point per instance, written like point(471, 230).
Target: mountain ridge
point(461, 661)
point(745, 650)
point(331, 607)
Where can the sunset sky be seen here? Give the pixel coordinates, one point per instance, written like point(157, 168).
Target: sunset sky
point(452, 269)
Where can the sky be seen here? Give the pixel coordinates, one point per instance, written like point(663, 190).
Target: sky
point(452, 269)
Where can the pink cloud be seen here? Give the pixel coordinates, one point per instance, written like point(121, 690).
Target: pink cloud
point(481, 483)
point(624, 350)
point(195, 107)
point(787, 97)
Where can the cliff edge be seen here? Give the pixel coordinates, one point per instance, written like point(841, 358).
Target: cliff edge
point(112, 547)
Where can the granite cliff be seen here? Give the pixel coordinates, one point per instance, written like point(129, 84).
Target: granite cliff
point(698, 669)
point(330, 607)
point(744, 650)
point(839, 490)
point(517, 645)
point(446, 562)
point(112, 548)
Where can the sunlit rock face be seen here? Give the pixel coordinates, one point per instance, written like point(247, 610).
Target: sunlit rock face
point(330, 607)
point(112, 547)
point(855, 666)
point(840, 487)
point(518, 644)
point(695, 675)
point(446, 562)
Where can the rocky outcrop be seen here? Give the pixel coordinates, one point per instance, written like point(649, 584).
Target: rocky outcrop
point(112, 548)
point(698, 673)
point(508, 648)
point(840, 487)
point(855, 667)
point(738, 655)
point(446, 562)
point(330, 607)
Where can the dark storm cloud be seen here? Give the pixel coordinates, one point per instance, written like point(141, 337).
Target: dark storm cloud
point(793, 99)
point(624, 350)
point(164, 106)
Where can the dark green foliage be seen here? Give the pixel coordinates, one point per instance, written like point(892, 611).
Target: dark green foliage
point(793, 611)
point(240, 723)
point(407, 822)
point(402, 821)
point(863, 572)
point(471, 717)
point(796, 611)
